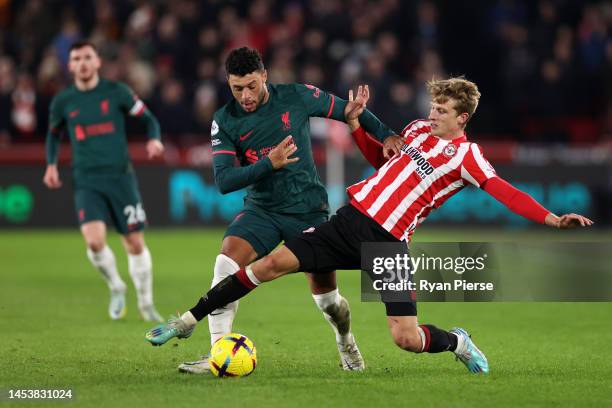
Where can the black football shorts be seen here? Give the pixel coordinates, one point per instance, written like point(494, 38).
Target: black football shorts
point(336, 244)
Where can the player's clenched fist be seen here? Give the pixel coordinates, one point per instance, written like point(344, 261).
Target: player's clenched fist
point(280, 155)
point(51, 178)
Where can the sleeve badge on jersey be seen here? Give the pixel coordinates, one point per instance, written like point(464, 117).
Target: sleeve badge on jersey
point(316, 92)
point(214, 129)
point(450, 150)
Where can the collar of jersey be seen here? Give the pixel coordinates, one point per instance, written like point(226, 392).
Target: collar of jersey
point(456, 141)
point(98, 85)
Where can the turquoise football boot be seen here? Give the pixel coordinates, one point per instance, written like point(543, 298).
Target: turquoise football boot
point(175, 327)
point(469, 354)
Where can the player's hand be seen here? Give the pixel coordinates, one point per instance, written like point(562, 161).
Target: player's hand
point(392, 146)
point(356, 104)
point(568, 221)
point(155, 148)
point(280, 155)
point(51, 178)
point(574, 220)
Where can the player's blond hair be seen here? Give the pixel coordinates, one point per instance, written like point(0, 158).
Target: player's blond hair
point(465, 93)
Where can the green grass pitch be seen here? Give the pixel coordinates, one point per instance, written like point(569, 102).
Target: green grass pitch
point(55, 333)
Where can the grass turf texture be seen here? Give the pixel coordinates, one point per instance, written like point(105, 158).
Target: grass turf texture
point(56, 334)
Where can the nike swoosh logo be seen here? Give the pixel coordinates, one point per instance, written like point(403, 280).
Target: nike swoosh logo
point(247, 134)
point(216, 314)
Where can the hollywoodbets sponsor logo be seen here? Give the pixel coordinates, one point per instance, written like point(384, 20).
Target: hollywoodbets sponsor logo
point(424, 168)
point(317, 91)
point(252, 156)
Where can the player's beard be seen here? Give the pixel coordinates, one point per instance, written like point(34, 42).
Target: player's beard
point(260, 100)
point(262, 97)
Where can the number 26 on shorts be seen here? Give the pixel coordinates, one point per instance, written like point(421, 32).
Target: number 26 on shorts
point(135, 214)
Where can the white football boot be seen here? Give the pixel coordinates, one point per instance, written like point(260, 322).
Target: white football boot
point(350, 356)
point(195, 367)
point(117, 308)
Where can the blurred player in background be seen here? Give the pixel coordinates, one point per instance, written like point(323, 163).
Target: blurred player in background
point(436, 161)
point(266, 128)
point(92, 111)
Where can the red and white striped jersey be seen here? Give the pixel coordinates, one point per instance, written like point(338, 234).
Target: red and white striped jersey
point(427, 172)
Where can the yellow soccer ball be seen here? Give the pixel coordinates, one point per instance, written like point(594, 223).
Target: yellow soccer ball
point(233, 355)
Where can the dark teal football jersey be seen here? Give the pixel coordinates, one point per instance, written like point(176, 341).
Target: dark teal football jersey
point(250, 136)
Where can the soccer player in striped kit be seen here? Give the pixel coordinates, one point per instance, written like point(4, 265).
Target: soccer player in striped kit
point(435, 162)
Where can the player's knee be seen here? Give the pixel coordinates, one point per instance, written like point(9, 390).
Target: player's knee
point(134, 244)
point(96, 244)
point(408, 340)
point(135, 248)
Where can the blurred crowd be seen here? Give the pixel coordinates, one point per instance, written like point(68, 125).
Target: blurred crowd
point(544, 67)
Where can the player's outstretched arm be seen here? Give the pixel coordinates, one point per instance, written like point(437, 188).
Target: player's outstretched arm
point(321, 104)
point(356, 114)
point(375, 152)
point(371, 148)
point(524, 205)
point(366, 118)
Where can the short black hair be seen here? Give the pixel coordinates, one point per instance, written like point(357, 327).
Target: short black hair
point(82, 43)
point(243, 61)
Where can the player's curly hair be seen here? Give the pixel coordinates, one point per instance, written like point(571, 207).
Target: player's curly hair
point(465, 93)
point(243, 61)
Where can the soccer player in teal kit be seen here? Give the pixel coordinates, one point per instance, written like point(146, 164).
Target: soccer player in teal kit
point(266, 128)
point(92, 112)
